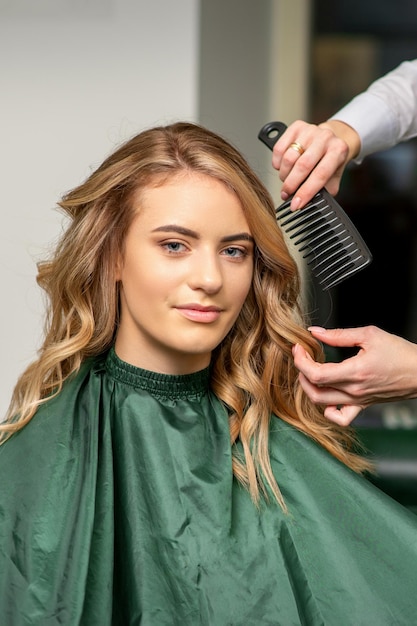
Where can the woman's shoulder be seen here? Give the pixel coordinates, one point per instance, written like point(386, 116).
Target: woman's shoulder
point(57, 419)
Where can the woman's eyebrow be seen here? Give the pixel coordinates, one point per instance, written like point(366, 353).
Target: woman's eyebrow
point(181, 230)
point(237, 237)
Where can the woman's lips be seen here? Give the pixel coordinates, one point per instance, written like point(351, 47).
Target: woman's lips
point(199, 313)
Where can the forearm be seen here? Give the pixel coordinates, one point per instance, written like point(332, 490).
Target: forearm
point(385, 114)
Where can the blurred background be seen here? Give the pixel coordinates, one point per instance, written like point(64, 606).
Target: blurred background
point(351, 45)
point(80, 76)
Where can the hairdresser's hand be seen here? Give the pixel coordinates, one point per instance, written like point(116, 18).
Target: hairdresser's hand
point(383, 370)
point(320, 161)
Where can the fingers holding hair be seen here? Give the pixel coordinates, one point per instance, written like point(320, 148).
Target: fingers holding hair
point(339, 405)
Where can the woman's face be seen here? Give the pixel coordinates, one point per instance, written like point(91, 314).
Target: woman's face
point(185, 273)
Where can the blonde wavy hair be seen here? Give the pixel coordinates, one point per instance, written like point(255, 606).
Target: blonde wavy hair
point(253, 370)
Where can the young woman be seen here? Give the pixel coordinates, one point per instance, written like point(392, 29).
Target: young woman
point(161, 463)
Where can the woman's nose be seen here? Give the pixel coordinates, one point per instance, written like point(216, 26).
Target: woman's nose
point(205, 272)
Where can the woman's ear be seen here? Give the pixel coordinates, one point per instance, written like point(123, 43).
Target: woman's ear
point(118, 267)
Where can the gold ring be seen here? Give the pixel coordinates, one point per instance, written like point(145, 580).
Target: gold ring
point(297, 147)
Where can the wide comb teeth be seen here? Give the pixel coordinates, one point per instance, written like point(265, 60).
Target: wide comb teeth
point(332, 249)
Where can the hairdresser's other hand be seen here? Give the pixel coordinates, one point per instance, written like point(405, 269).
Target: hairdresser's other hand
point(327, 147)
point(383, 370)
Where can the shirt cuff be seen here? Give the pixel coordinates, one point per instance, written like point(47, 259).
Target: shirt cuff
point(373, 120)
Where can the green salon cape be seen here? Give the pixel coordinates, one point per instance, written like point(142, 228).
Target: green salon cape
point(118, 507)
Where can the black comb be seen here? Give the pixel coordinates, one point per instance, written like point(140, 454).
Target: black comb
point(321, 230)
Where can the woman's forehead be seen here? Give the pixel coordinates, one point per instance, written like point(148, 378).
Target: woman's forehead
point(194, 199)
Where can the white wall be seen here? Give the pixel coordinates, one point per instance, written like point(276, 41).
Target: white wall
point(235, 73)
point(77, 77)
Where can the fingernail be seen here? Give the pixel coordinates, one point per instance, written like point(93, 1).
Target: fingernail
point(316, 329)
point(284, 195)
point(295, 203)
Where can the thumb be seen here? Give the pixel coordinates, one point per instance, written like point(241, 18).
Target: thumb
point(343, 415)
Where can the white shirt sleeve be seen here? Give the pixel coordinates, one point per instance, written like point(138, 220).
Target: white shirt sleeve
point(386, 113)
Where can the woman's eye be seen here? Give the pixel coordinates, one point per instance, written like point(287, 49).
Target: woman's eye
point(234, 253)
point(173, 246)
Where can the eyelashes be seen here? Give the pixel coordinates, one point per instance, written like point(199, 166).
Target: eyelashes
point(179, 248)
point(174, 247)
